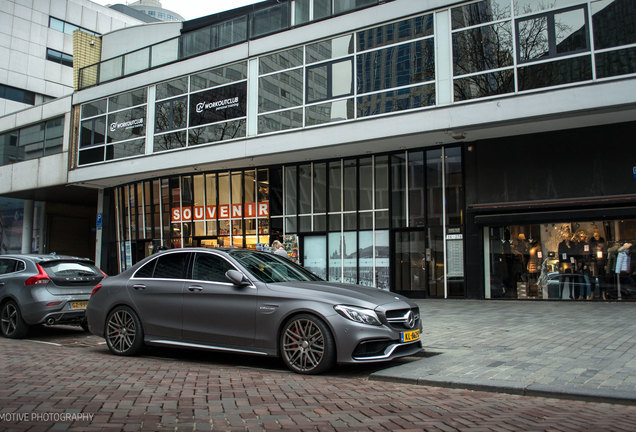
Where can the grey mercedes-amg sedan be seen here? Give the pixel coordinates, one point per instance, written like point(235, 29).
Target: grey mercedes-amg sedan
point(251, 302)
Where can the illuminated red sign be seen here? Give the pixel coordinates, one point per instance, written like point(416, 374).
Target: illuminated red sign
point(227, 211)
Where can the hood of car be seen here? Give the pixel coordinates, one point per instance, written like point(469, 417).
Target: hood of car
point(339, 293)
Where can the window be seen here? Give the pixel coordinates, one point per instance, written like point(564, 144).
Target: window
point(68, 28)
point(59, 57)
point(329, 80)
point(7, 266)
point(210, 268)
point(552, 34)
point(171, 266)
point(170, 114)
point(270, 20)
point(17, 95)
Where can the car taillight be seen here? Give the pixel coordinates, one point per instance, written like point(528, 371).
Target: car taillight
point(105, 275)
point(97, 288)
point(39, 279)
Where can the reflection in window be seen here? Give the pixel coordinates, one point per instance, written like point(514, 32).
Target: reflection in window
point(555, 73)
point(283, 90)
point(125, 100)
point(216, 132)
point(329, 80)
point(195, 42)
point(619, 62)
point(175, 87)
point(396, 66)
point(328, 49)
point(480, 12)
point(218, 76)
point(125, 149)
point(329, 112)
point(401, 31)
point(270, 20)
point(169, 141)
point(396, 100)
point(170, 114)
point(281, 60)
point(482, 48)
point(613, 23)
point(552, 34)
point(484, 85)
point(279, 121)
point(342, 6)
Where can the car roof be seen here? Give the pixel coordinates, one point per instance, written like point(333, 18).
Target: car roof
point(46, 257)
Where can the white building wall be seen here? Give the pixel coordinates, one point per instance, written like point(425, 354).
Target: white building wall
point(25, 35)
point(42, 172)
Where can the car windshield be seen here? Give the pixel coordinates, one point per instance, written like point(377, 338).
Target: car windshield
point(270, 268)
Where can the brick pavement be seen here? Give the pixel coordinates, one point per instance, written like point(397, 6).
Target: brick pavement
point(575, 349)
point(194, 393)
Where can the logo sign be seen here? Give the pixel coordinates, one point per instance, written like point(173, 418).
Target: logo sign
point(634, 172)
point(222, 103)
point(218, 105)
point(211, 212)
point(130, 124)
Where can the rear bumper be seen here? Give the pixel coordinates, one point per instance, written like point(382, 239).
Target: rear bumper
point(43, 312)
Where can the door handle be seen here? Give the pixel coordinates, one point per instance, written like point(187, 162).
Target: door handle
point(194, 288)
point(139, 287)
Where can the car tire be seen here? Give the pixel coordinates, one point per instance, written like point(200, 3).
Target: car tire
point(12, 324)
point(306, 345)
point(123, 332)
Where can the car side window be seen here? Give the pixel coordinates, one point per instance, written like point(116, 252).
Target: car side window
point(210, 267)
point(7, 266)
point(146, 270)
point(19, 266)
point(171, 266)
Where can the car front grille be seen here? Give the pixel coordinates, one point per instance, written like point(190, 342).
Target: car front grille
point(403, 319)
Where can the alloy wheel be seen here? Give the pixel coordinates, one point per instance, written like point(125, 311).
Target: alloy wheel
point(121, 331)
point(9, 319)
point(303, 345)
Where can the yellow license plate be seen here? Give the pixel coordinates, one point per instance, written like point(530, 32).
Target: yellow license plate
point(410, 336)
point(79, 305)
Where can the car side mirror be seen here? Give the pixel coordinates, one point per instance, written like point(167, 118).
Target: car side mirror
point(237, 278)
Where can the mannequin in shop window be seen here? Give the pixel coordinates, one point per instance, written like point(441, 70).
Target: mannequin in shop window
point(535, 256)
point(598, 249)
point(520, 254)
point(623, 265)
point(567, 254)
point(583, 261)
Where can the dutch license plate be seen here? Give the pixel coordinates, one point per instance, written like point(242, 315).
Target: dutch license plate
point(410, 336)
point(79, 304)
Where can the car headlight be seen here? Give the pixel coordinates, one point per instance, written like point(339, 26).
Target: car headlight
point(361, 315)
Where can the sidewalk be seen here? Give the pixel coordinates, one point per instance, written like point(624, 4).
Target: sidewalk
point(575, 350)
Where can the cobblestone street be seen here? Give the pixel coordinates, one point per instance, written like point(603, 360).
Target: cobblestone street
point(71, 382)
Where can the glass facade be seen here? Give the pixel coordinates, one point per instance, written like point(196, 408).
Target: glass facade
point(362, 220)
point(562, 260)
point(31, 142)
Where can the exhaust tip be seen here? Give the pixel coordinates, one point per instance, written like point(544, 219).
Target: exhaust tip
point(50, 321)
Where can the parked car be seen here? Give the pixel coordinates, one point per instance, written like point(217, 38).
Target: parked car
point(251, 302)
point(44, 289)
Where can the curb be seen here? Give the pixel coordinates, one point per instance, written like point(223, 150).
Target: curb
point(535, 390)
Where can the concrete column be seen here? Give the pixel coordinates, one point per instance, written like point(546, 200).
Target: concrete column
point(27, 227)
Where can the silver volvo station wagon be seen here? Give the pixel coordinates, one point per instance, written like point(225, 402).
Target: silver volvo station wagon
point(251, 302)
point(44, 289)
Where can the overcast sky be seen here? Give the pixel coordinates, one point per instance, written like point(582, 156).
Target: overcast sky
point(190, 9)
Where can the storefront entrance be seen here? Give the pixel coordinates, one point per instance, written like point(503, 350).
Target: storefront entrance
point(584, 260)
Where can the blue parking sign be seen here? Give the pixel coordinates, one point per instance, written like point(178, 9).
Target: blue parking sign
point(98, 223)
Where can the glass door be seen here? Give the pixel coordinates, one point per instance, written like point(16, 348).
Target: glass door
point(410, 263)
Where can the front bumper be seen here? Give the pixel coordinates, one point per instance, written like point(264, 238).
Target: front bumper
point(361, 343)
